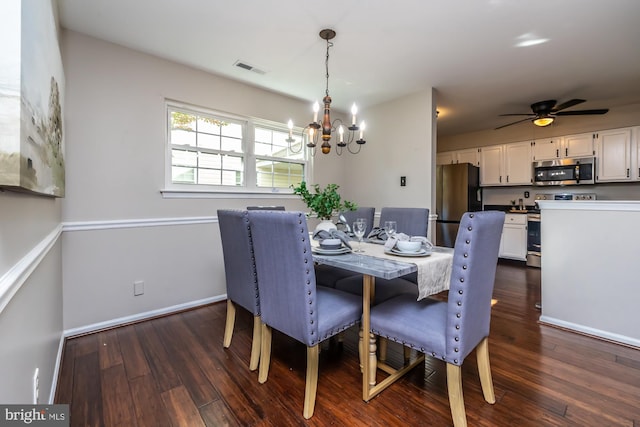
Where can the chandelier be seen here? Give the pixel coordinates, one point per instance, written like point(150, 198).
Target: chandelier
point(317, 131)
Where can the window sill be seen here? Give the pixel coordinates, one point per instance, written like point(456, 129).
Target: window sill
point(228, 194)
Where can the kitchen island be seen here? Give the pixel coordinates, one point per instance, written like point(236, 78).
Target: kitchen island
point(590, 279)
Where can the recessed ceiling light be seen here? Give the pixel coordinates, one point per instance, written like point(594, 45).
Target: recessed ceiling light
point(529, 39)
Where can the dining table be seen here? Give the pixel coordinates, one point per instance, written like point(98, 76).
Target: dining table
point(433, 274)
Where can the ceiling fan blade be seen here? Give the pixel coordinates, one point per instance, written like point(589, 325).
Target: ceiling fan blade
point(582, 112)
point(569, 103)
point(518, 114)
point(513, 123)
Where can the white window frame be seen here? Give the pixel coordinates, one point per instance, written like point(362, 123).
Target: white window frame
point(250, 188)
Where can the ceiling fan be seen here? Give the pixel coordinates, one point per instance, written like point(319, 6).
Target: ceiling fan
point(545, 112)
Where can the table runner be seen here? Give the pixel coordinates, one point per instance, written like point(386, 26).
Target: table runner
point(434, 271)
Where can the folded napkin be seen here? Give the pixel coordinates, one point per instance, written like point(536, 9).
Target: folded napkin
point(391, 242)
point(377, 233)
point(344, 227)
point(332, 234)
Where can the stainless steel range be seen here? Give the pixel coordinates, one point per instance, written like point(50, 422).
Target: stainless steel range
point(534, 249)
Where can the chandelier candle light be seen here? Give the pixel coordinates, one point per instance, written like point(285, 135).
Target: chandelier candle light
point(313, 129)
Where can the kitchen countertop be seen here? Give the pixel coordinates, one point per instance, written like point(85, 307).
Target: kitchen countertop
point(510, 208)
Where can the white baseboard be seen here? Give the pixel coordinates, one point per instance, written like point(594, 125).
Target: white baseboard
point(56, 371)
point(68, 333)
point(609, 336)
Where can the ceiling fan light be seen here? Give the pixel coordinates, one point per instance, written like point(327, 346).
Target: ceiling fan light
point(543, 121)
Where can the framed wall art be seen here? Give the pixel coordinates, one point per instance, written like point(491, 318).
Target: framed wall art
point(31, 100)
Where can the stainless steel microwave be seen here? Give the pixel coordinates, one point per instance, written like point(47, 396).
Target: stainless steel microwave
point(564, 171)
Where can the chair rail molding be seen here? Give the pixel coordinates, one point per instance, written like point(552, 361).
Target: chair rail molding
point(136, 223)
point(13, 279)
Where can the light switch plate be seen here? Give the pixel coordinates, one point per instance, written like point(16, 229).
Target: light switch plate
point(138, 288)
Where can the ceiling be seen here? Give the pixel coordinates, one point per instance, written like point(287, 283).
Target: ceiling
point(465, 49)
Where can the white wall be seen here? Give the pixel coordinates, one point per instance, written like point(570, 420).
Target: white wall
point(30, 291)
point(31, 327)
point(399, 143)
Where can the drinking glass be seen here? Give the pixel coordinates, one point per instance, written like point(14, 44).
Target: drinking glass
point(390, 227)
point(359, 226)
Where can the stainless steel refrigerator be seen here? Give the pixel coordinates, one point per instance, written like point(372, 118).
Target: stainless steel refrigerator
point(457, 191)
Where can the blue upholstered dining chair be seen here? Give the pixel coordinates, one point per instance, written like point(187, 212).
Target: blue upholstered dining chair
point(411, 221)
point(240, 272)
point(361, 212)
point(265, 208)
point(451, 330)
point(289, 299)
point(327, 275)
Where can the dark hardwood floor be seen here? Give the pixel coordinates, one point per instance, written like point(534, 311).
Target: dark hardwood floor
point(173, 371)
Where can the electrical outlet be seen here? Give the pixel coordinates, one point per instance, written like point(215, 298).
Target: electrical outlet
point(36, 386)
point(138, 288)
point(403, 181)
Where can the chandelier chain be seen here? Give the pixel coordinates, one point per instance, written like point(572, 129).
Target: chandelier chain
point(326, 65)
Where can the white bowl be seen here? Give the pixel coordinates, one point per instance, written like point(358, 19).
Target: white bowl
point(407, 246)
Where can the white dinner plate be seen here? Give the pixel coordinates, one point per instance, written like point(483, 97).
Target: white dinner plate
point(420, 253)
point(330, 247)
point(320, 251)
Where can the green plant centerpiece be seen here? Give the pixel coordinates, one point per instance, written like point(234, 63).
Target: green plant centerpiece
point(323, 202)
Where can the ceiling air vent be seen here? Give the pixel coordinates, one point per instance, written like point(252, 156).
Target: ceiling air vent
point(248, 67)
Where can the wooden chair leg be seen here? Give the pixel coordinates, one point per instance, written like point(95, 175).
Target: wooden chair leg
point(255, 343)
point(265, 354)
point(231, 320)
point(382, 349)
point(407, 354)
point(484, 368)
point(456, 400)
point(311, 385)
point(361, 351)
point(373, 362)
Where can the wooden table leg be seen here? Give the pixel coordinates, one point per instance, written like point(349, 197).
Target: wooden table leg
point(368, 378)
point(373, 362)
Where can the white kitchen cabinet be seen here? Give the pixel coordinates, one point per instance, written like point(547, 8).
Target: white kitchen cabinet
point(513, 243)
point(470, 155)
point(491, 165)
point(517, 163)
point(580, 145)
point(445, 158)
point(506, 164)
point(547, 149)
point(614, 155)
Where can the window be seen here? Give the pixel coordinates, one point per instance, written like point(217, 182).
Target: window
point(277, 166)
point(216, 152)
